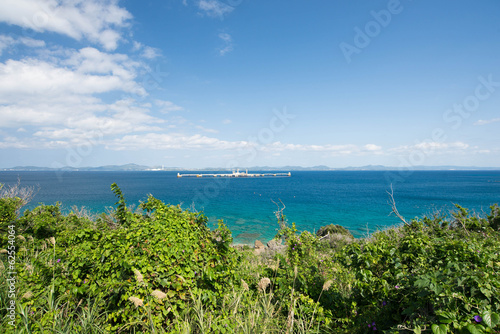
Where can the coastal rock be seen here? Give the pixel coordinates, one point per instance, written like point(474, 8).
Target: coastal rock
point(274, 244)
point(259, 251)
point(274, 247)
point(259, 245)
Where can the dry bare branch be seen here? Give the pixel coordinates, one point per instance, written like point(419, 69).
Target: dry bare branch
point(83, 212)
point(392, 203)
point(325, 236)
point(25, 194)
point(279, 213)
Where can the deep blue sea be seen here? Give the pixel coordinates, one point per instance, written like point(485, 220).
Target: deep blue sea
point(357, 200)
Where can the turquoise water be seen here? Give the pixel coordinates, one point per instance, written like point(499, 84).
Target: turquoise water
point(357, 200)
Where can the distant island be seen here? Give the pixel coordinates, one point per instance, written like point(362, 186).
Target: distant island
point(134, 168)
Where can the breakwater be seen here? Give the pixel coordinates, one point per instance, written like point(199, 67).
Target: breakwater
point(236, 174)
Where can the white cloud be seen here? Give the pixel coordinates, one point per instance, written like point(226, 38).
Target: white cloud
point(225, 37)
point(59, 98)
point(8, 41)
point(33, 78)
point(214, 8)
point(34, 43)
point(5, 42)
point(372, 147)
point(227, 121)
point(150, 53)
point(484, 122)
point(75, 78)
point(164, 141)
point(58, 128)
point(99, 21)
point(12, 142)
point(92, 61)
point(328, 149)
point(228, 43)
point(204, 129)
point(225, 50)
point(431, 148)
point(340, 149)
point(441, 146)
point(167, 106)
point(147, 51)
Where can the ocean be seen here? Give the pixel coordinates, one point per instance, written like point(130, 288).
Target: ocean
point(357, 200)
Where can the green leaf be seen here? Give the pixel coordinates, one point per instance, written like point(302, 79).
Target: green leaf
point(473, 329)
point(422, 282)
point(495, 319)
point(460, 281)
point(486, 292)
point(491, 319)
point(441, 329)
point(76, 273)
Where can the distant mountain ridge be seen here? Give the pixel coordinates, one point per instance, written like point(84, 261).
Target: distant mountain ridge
point(135, 167)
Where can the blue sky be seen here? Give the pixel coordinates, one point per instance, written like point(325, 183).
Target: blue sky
point(225, 83)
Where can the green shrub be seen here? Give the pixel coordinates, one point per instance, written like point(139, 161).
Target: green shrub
point(494, 217)
point(333, 229)
point(162, 270)
point(8, 208)
point(167, 250)
point(430, 273)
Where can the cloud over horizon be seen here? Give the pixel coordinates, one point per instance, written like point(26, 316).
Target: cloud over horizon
point(98, 21)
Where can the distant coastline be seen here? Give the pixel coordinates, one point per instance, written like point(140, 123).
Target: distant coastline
point(136, 168)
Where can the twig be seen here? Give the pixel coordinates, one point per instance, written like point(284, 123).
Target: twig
point(392, 202)
point(279, 212)
point(25, 194)
point(325, 236)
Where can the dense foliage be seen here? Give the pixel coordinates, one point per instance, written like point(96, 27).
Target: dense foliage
point(161, 269)
point(141, 270)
